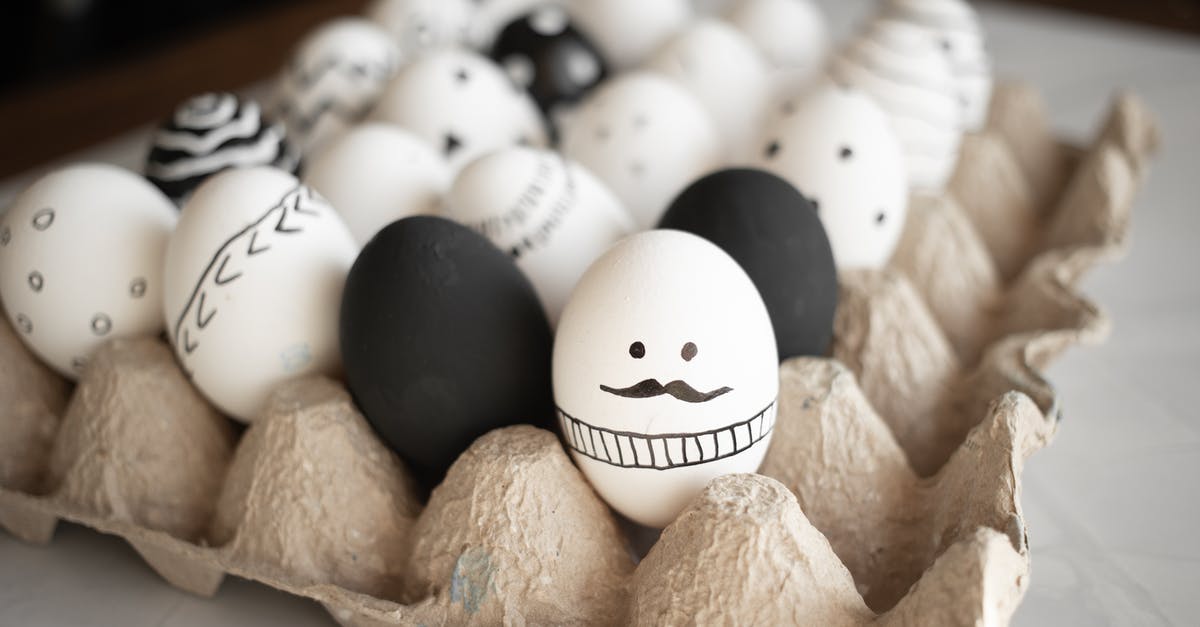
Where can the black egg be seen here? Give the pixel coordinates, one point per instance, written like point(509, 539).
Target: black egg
point(774, 232)
point(210, 133)
point(443, 340)
point(542, 52)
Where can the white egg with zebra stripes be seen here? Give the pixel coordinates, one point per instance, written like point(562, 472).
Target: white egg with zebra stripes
point(908, 75)
point(211, 133)
point(253, 281)
point(335, 76)
point(665, 373)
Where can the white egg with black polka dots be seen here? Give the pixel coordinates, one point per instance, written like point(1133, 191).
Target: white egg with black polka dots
point(81, 255)
point(836, 146)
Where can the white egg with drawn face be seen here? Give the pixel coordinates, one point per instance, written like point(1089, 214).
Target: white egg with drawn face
point(665, 373)
point(553, 216)
point(463, 105)
point(835, 145)
point(253, 284)
point(335, 76)
point(646, 137)
point(81, 254)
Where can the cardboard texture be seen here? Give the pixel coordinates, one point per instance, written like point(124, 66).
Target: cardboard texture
point(890, 494)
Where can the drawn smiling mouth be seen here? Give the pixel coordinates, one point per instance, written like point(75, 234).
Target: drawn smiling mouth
point(650, 388)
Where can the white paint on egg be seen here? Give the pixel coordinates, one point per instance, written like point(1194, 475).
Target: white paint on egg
point(254, 275)
point(665, 373)
point(909, 75)
point(81, 254)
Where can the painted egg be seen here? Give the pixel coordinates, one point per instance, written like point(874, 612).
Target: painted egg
point(335, 76)
point(646, 137)
point(463, 105)
point(665, 373)
point(254, 275)
point(775, 235)
point(791, 34)
point(420, 25)
point(908, 74)
point(954, 25)
point(491, 16)
point(835, 145)
point(725, 73)
point(81, 253)
point(211, 133)
point(443, 340)
point(543, 53)
point(376, 174)
point(552, 216)
point(629, 31)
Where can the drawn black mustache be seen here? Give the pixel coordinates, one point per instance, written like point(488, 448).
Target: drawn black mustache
point(679, 389)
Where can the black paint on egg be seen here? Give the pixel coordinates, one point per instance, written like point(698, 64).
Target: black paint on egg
point(443, 339)
point(210, 133)
point(768, 226)
point(543, 53)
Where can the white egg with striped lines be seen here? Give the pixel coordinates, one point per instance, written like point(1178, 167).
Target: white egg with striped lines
point(253, 282)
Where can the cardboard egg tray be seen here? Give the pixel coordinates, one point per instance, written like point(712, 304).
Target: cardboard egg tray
point(890, 494)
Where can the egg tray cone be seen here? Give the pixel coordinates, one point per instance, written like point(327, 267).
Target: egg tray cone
point(890, 494)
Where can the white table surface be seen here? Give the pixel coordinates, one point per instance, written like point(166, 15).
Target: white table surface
point(1112, 506)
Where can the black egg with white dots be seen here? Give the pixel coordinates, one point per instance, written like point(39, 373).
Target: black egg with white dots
point(549, 57)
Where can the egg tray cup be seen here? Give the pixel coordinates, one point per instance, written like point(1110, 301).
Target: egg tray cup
point(890, 493)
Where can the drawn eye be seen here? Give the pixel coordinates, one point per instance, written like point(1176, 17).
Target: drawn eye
point(637, 350)
point(689, 351)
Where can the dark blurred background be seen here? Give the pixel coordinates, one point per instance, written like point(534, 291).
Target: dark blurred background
point(77, 72)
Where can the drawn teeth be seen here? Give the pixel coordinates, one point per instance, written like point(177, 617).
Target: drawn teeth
point(661, 452)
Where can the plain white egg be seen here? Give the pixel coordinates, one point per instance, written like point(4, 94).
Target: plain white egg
point(462, 104)
point(726, 74)
point(665, 373)
point(792, 34)
point(553, 216)
point(335, 76)
point(836, 146)
point(254, 275)
point(629, 31)
point(81, 254)
point(646, 137)
point(376, 174)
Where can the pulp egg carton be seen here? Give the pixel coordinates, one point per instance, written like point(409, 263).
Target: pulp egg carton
point(890, 494)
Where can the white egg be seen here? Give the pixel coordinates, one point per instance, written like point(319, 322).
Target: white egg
point(81, 253)
point(665, 373)
point(954, 25)
point(335, 76)
point(792, 34)
point(726, 74)
point(629, 31)
point(553, 216)
point(646, 137)
point(909, 75)
point(463, 105)
point(254, 275)
point(835, 145)
point(376, 174)
point(420, 25)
